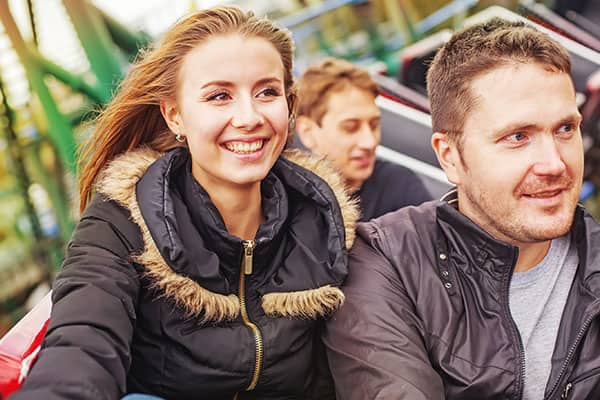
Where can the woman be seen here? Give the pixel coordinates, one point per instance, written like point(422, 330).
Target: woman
point(205, 263)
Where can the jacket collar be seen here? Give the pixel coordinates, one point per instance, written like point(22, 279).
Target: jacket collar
point(586, 234)
point(479, 247)
point(142, 180)
point(472, 244)
point(189, 230)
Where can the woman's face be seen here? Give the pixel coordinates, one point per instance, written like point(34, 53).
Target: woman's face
point(232, 109)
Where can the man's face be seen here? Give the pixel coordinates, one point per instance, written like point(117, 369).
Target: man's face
point(348, 134)
point(521, 168)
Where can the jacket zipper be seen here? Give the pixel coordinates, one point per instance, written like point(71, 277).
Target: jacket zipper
point(246, 269)
point(570, 355)
point(565, 394)
point(521, 382)
point(580, 378)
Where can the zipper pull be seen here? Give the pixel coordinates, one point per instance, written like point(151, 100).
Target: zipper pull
point(565, 394)
point(248, 254)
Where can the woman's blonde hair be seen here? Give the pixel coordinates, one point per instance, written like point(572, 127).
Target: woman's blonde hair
point(133, 118)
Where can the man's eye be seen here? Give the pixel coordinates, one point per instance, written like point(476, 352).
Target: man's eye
point(375, 124)
point(350, 127)
point(516, 137)
point(566, 129)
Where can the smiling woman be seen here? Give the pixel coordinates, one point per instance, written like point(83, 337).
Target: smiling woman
point(208, 257)
point(234, 120)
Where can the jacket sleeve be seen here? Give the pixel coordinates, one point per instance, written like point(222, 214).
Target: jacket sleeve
point(322, 387)
point(374, 342)
point(86, 351)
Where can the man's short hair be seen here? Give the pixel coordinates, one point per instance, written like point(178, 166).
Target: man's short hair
point(326, 77)
point(476, 51)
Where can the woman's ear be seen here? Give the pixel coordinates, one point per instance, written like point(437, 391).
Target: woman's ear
point(448, 155)
point(306, 129)
point(170, 113)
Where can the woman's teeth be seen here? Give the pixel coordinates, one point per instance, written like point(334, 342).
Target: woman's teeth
point(244, 147)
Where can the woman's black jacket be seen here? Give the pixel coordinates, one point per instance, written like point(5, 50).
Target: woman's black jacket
point(155, 296)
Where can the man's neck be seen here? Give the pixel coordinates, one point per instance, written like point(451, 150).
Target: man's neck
point(353, 186)
point(531, 254)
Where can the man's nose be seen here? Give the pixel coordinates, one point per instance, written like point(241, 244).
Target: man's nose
point(368, 137)
point(548, 157)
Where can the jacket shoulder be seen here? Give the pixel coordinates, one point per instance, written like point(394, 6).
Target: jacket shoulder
point(414, 226)
point(125, 234)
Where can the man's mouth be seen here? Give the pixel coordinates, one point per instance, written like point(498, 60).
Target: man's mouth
point(244, 147)
point(544, 194)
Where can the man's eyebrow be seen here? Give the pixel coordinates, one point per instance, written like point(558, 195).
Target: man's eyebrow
point(515, 127)
point(574, 118)
point(349, 119)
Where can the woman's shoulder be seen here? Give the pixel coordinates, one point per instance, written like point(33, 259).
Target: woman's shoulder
point(327, 184)
point(107, 221)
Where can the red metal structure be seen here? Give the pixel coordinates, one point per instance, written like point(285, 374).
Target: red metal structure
point(20, 346)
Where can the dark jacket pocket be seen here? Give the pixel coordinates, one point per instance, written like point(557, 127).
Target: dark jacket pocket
point(583, 387)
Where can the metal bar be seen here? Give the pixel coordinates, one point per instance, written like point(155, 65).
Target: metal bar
point(59, 128)
point(292, 21)
point(15, 155)
point(442, 14)
point(129, 41)
point(54, 186)
point(97, 44)
point(32, 21)
point(413, 164)
point(72, 80)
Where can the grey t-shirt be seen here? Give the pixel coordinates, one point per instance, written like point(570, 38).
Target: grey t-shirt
point(537, 298)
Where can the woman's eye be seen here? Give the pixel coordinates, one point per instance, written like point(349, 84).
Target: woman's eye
point(221, 96)
point(269, 92)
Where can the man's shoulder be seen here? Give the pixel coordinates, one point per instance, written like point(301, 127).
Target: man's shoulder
point(388, 170)
point(390, 187)
point(408, 224)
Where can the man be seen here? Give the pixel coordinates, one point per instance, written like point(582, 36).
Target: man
point(338, 119)
point(494, 291)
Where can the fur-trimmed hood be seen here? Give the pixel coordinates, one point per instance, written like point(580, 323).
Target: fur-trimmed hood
point(193, 276)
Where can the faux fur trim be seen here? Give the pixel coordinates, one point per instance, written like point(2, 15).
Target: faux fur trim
point(309, 304)
point(324, 169)
point(117, 182)
point(185, 292)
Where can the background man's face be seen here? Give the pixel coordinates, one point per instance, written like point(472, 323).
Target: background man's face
point(522, 154)
point(349, 133)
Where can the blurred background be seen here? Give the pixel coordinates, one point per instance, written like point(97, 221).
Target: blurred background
point(61, 60)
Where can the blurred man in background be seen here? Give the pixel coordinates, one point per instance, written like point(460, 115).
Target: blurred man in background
point(338, 119)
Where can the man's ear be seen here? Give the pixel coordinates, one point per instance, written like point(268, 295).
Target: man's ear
point(170, 113)
point(448, 155)
point(306, 129)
